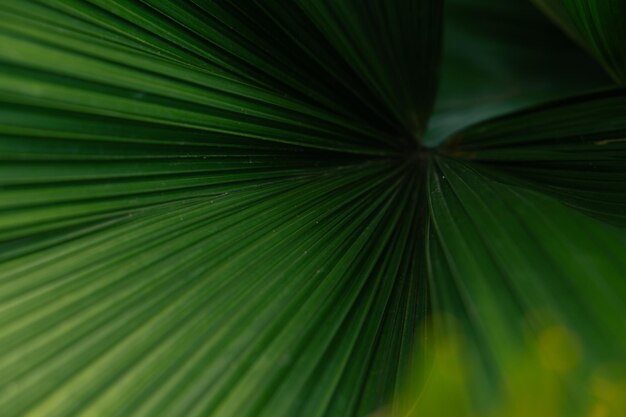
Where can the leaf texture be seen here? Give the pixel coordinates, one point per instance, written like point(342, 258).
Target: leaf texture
point(221, 208)
point(501, 256)
point(201, 216)
point(392, 48)
point(574, 149)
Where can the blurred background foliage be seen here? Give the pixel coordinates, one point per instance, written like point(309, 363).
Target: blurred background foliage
point(503, 56)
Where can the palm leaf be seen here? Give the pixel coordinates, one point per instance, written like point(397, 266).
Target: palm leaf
point(224, 208)
point(507, 262)
point(191, 214)
point(574, 149)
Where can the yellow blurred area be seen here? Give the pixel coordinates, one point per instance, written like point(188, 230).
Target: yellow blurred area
point(549, 377)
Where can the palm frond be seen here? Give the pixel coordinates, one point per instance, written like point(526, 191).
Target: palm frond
point(221, 208)
point(200, 215)
point(573, 149)
point(506, 261)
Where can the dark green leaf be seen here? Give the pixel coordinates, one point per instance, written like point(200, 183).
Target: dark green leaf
point(574, 149)
point(507, 261)
point(596, 24)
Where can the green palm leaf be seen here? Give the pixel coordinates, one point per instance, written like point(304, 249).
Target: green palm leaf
point(216, 208)
point(513, 266)
point(553, 147)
